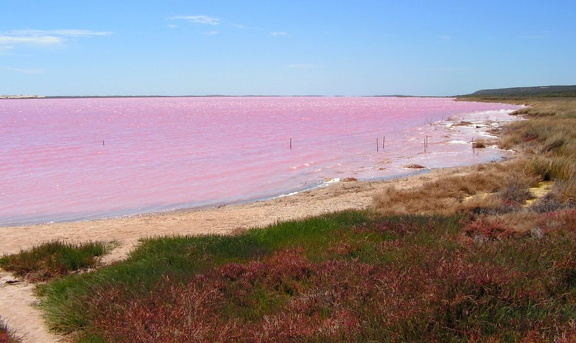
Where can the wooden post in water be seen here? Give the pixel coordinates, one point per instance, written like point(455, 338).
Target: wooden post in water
point(290, 143)
point(383, 142)
point(102, 142)
point(377, 145)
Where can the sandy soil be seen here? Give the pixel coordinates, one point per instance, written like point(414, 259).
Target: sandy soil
point(16, 297)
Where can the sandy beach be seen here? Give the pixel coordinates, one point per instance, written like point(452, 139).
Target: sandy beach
point(126, 231)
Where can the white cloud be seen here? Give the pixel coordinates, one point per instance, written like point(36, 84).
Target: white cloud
point(62, 33)
point(211, 33)
point(13, 38)
point(199, 19)
point(279, 34)
point(30, 40)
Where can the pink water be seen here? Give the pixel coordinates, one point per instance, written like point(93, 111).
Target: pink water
point(76, 159)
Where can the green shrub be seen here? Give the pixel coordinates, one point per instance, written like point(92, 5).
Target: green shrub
point(53, 259)
point(351, 276)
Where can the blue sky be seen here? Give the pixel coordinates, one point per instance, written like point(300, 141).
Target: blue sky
point(296, 47)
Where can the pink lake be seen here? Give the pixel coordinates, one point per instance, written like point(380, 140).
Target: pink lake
point(88, 158)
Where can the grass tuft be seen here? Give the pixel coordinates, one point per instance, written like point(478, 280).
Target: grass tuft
point(6, 335)
point(507, 182)
point(479, 144)
point(53, 259)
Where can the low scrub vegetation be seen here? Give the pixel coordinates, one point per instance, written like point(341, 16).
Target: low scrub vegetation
point(53, 259)
point(6, 336)
point(479, 144)
point(344, 277)
point(546, 143)
point(498, 187)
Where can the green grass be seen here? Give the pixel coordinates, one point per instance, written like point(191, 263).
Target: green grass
point(53, 259)
point(349, 276)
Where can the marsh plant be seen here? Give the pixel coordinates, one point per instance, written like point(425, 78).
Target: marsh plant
point(53, 259)
point(350, 276)
point(6, 335)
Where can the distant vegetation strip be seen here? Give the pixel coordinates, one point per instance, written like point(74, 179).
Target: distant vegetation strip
point(525, 92)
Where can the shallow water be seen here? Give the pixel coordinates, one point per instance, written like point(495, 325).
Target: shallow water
point(76, 159)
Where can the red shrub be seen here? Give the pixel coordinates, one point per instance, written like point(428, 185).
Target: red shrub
point(173, 312)
point(4, 337)
point(494, 229)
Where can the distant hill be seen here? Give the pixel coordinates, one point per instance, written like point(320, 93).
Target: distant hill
point(542, 91)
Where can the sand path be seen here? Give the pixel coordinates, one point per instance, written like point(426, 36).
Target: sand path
point(17, 300)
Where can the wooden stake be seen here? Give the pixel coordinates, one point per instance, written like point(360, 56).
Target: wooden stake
point(290, 143)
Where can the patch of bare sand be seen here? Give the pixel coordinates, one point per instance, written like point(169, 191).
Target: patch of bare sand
point(19, 312)
point(16, 299)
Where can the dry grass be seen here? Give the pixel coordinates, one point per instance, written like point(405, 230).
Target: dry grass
point(479, 144)
point(541, 135)
point(486, 187)
point(546, 143)
point(536, 224)
point(559, 196)
point(414, 166)
point(542, 107)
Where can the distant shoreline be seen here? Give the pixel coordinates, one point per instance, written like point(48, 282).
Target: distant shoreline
point(22, 97)
point(491, 94)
